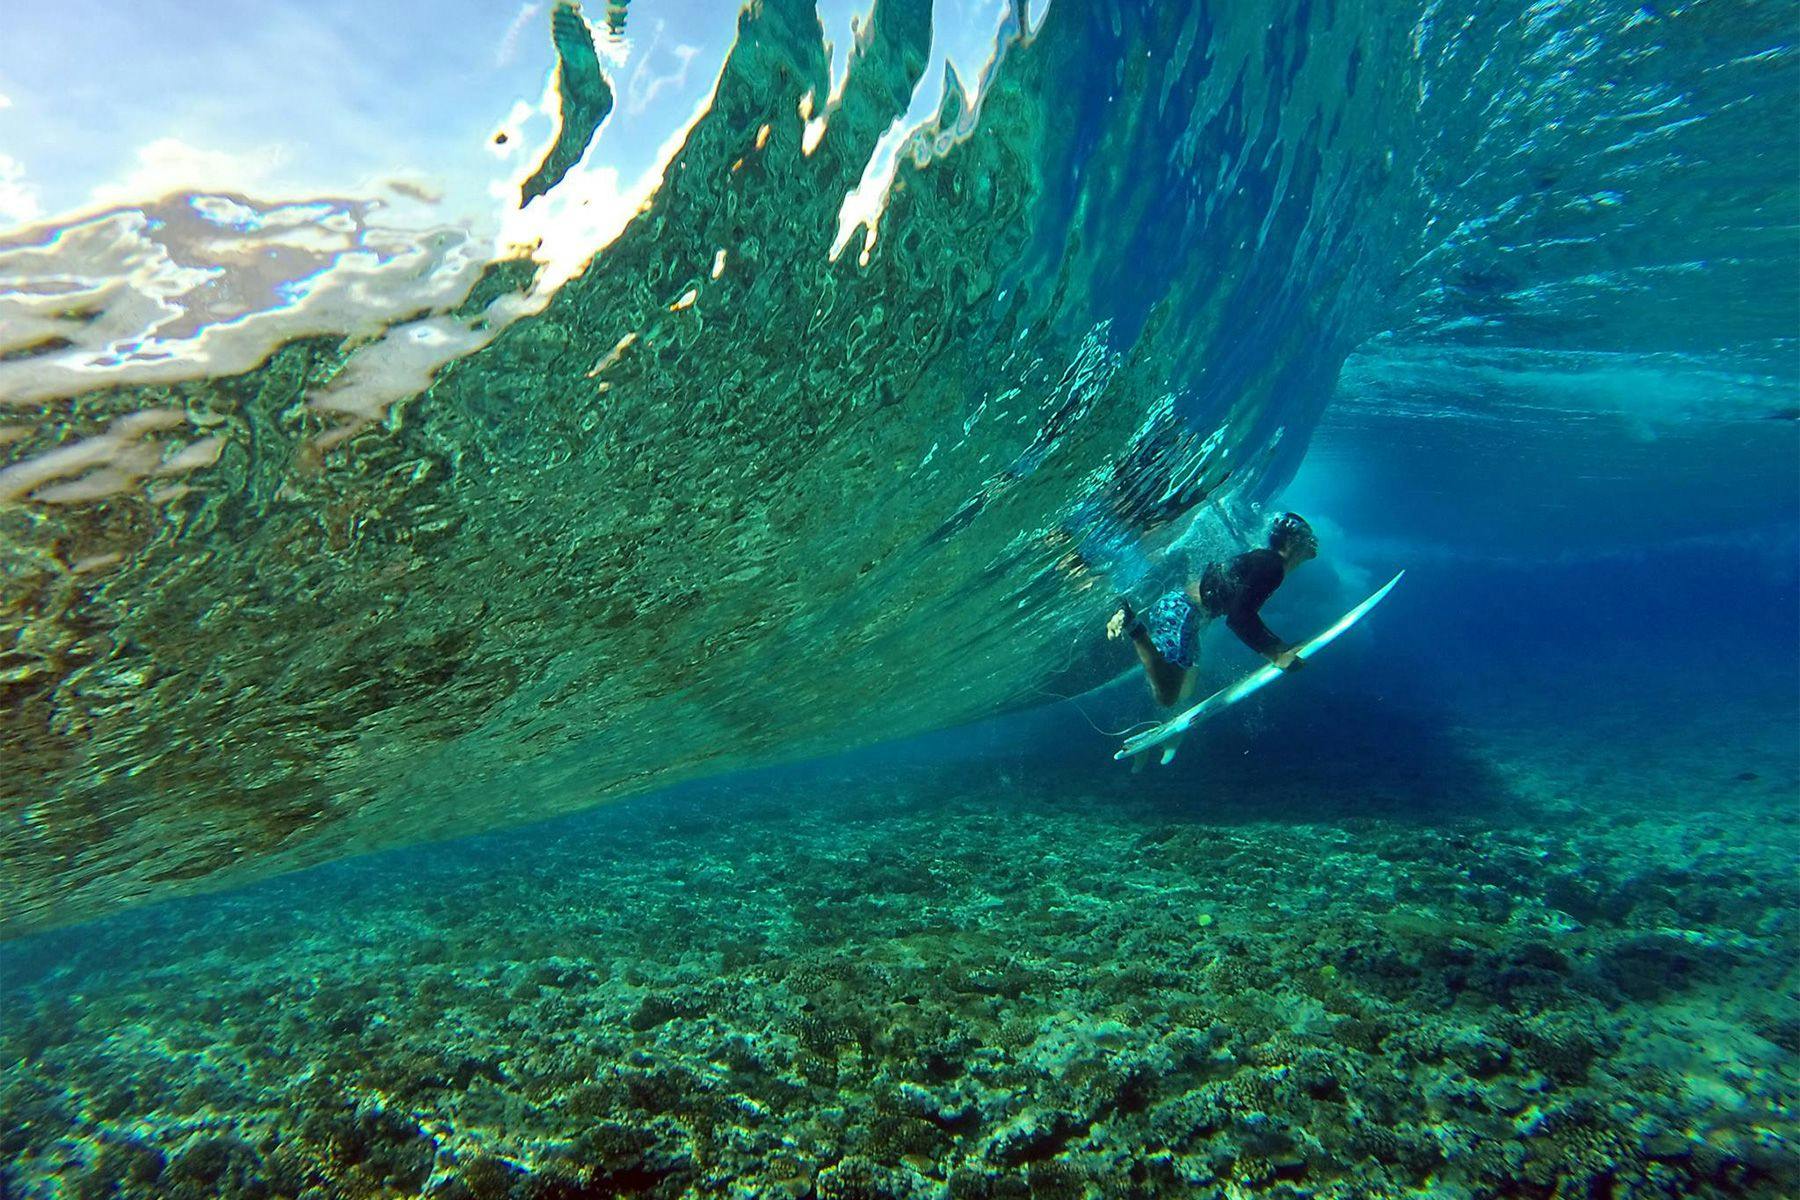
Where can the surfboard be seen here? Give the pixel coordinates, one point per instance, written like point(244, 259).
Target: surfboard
point(1250, 684)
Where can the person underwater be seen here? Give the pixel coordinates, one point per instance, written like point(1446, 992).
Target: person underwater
point(1167, 636)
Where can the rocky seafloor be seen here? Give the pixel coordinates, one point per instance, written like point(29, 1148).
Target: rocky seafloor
point(1433, 961)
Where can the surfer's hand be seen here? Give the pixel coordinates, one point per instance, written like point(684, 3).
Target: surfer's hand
point(1288, 660)
point(1116, 626)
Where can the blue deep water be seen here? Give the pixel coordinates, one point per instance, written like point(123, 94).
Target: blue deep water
point(554, 598)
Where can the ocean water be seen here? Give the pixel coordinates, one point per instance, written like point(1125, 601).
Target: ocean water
point(554, 563)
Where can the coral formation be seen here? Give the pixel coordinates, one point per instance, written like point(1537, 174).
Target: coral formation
point(978, 983)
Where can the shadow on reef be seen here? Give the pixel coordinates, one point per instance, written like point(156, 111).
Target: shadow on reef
point(1308, 753)
point(1338, 756)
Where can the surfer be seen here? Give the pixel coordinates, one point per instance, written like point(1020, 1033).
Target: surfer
point(1167, 636)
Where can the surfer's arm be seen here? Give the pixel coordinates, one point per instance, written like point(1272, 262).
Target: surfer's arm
point(1249, 627)
point(1259, 580)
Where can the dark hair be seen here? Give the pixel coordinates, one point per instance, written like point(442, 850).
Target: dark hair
point(1290, 528)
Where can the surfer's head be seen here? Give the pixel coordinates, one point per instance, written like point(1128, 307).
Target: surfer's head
point(1292, 538)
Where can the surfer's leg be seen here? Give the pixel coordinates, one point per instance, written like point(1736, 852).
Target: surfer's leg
point(1165, 677)
point(1188, 682)
point(1172, 685)
point(1163, 639)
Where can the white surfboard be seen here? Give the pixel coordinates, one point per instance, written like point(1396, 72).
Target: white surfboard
point(1250, 684)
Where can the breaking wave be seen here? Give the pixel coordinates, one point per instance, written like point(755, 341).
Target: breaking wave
point(321, 532)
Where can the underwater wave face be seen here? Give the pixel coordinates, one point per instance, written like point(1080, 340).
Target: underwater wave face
point(725, 496)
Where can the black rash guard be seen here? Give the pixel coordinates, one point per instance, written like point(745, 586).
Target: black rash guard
point(1236, 591)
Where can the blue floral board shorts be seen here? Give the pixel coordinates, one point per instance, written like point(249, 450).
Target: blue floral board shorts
point(1173, 625)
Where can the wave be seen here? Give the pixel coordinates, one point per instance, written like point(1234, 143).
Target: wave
point(411, 540)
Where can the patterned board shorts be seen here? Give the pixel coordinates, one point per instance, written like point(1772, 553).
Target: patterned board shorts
point(1173, 624)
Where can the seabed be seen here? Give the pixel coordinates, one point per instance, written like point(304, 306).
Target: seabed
point(1423, 958)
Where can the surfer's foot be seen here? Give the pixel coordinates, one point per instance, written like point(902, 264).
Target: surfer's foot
point(1124, 621)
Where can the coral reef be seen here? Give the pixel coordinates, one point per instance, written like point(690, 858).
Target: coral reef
point(1573, 977)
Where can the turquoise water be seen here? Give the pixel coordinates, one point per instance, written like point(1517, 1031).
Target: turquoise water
point(1429, 921)
point(517, 686)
